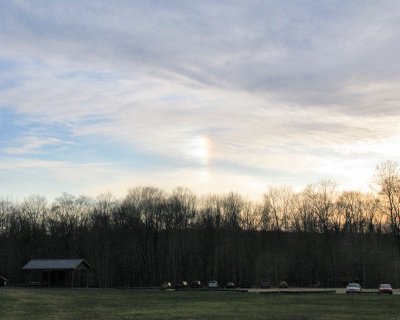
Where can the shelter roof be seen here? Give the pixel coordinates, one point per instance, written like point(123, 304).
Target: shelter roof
point(58, 264)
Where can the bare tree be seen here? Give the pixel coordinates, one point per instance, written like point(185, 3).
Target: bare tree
point(350, 212)
point(304, 218)
point(6, 209)
point(279, 207)
point(387, 178)
point(321, 197)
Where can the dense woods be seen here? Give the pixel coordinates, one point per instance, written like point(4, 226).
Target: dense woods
point(319, 235)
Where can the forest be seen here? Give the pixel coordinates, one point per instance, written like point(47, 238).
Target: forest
point(319, 236)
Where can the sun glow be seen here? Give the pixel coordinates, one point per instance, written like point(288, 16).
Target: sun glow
point(201, 149)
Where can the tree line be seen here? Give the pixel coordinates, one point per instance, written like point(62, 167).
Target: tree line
point(317, 236)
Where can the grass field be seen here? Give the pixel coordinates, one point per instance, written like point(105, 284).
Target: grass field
point(154, 304)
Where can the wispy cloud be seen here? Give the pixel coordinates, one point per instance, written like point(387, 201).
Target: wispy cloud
point(29, 145)
point(253, 88)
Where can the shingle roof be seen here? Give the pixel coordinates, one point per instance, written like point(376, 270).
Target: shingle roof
point(59, 264)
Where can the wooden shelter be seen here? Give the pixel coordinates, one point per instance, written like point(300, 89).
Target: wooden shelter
point(58, 272)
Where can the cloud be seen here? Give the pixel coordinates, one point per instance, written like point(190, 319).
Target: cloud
point(256, 87)
point(28, 145)
point(301, 52)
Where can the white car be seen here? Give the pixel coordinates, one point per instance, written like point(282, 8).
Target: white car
point(212, 284)
point(353, 288)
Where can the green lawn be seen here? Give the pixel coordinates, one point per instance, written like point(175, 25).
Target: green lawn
point(154, 304)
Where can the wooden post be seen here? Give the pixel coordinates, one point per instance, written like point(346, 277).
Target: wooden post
point(87, 278)
point(72, 281)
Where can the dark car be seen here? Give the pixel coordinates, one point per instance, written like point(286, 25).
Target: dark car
point(166, 285)
point(316, 285)
point(265, 284)
point(181, 285)
point(283, 284)
point(230, 285)
point(385, 288)
point(213, 284)
point(245, 284)
point(196, 284)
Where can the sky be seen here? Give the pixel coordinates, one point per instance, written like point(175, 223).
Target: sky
point(215, 96)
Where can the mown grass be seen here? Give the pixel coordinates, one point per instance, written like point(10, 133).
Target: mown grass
point(153, 304)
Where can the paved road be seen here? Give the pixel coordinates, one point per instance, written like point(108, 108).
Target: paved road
point(316, 290)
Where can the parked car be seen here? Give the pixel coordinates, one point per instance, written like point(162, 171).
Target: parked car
point(353, 287)
point(196, 284)
point(316, 285)
point(181, 285)
point(213, 284)
point(385, 288)
point(265, 284)
point(245, 284)
point(230, 285)
point(166, 285)
point(283, 284)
